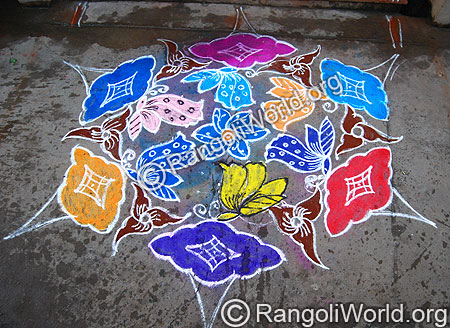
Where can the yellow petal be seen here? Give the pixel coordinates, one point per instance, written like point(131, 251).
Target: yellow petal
point(256, 175)
point(260, 204)
point(232, 181)
point(268, 195)
point(227, 216)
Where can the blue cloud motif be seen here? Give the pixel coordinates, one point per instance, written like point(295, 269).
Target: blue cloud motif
point(214, 253)
point(156, 167)
point(349, 85)
point(307, 157)
point(229, 133)
point(112, 91)
point(233, 90)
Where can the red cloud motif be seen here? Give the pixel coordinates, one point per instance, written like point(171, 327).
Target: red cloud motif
point(357, 188)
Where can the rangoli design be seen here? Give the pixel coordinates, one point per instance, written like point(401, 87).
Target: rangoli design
point(216, 134)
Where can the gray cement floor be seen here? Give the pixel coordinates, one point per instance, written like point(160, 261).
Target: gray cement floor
point(63, 275)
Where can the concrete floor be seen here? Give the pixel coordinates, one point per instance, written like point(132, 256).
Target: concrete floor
point(62, 275)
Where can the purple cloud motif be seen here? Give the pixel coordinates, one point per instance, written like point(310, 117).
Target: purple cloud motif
point(242, 50)
point(214, 253)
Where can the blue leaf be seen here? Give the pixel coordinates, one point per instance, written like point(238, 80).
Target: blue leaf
point(206, 133)
point(220, 119)
point(165, 193)
point(327, 136)
point(152, 179)
point(239, 150)
point(291, 151)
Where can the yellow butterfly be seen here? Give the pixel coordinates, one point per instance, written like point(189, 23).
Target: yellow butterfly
point(245, 191)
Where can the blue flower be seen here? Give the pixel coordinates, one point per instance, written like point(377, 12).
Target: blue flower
point(112, 91)
point(311, 156)
point(349, 85)
point(155, 168)
point(230, 134)
point(233, 90)
point(215, 253)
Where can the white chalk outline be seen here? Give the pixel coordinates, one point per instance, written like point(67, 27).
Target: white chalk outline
point(24, 228)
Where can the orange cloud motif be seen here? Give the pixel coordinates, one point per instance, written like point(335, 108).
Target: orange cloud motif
point(92, 191)
point(295, 102)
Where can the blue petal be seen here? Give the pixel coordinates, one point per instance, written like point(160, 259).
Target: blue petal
point(206, 133)
point(234, 91)
point(198, 76)
point(242, 95)
point(326, 167)
point(291, 151)
point(209, 83)
point(165, 193)
point(242, 118)
point(244, 128)
point(239, 150)
point(162, 151)
point(228, 69)
point(132, 174)
point(327, 136)
point(256, 134)
point(153, 179)
point(312, 139)
point(172, 179)
point(220, 118)
point(225, 90)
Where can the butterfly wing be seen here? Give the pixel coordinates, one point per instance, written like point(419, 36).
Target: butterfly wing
point(177, 110)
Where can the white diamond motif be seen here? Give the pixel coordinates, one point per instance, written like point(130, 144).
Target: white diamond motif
point(213, 252)
point(358, 186)
point(239, 51)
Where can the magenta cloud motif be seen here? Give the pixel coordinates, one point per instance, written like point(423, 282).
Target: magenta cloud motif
point(242, 50)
